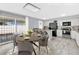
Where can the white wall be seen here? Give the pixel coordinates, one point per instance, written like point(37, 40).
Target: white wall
point(34, 23)
point(46, 22)
point(40, 24)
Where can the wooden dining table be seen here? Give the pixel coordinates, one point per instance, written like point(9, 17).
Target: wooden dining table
point(32, 39)
point(33, 42)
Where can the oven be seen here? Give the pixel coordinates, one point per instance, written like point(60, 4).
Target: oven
point(66, 32)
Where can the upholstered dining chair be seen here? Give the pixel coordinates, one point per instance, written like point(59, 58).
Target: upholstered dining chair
point(24, 47)
point(43, 41)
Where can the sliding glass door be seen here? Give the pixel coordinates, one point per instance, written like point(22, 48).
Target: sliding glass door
point(8, 27)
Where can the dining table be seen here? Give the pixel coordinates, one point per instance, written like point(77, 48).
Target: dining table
point(32, 39)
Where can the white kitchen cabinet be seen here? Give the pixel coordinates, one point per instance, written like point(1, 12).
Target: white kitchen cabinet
point(73, 34)
point(77, 38)
point(59, 33)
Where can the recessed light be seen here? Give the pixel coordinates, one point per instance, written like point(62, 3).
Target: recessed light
point(63, 15)
point(31, 7)
point(43, 18)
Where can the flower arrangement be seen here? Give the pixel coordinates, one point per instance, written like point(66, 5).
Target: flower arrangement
point(30, 32)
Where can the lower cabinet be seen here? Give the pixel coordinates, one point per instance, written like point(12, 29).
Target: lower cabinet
point(77, 38)
point(59, 33)
point(73, 34)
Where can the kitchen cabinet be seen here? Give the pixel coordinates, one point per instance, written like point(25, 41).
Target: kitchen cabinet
point(77, 38)
point(73, 34)
point(59, 33)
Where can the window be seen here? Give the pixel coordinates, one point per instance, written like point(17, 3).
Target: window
point(7, 22)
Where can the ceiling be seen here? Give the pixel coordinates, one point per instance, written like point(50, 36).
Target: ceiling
point(47, 10)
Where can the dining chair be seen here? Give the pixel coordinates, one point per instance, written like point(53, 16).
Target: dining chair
point(43, 41)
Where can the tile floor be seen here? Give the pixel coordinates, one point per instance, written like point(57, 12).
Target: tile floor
point(56, 46)
point(61, 46)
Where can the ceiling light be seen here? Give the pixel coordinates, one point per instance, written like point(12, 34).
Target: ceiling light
point(31, 7)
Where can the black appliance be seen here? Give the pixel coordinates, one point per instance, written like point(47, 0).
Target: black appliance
point(54, 33)
point(66, 32)
point(66, 24)
point(53, 26)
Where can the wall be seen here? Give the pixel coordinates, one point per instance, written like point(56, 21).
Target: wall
point(46, 22)
point(13, 15)
point(35, 23)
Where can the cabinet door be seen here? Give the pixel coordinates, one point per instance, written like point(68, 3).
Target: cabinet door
point(73, 34)
point(59, 33)
point(77, 38)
